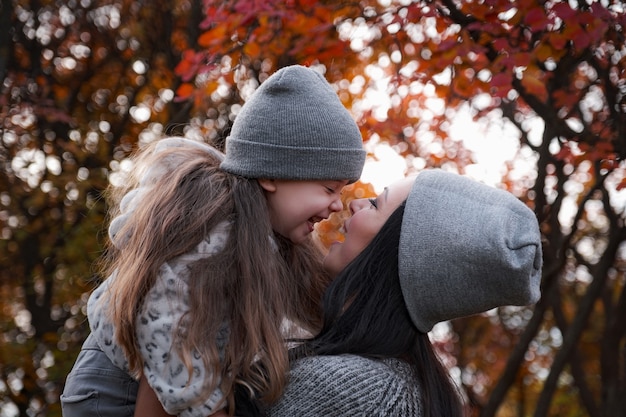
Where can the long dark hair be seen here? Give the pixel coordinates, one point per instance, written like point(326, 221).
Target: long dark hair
point(364, 311)
point(365, 314)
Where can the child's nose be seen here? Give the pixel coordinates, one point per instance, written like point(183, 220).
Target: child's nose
point(336, 205)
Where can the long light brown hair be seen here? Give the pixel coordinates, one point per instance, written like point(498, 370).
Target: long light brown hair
point(251, 286)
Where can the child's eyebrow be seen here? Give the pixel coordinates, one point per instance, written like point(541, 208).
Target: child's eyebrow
point(385, 193)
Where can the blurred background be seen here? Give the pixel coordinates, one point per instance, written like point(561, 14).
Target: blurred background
point(528, 96)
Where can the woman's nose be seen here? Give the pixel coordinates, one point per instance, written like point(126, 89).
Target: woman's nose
point(356, 205)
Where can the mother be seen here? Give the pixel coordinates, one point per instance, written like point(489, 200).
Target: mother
point(426, 250)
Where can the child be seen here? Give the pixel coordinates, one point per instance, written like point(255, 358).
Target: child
point(427, 250)
point(211, 252)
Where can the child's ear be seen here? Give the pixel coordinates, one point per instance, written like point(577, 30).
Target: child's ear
point(267, 184)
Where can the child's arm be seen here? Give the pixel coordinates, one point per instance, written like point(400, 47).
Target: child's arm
point(148, 404)
point(165, 304)
point(157, 322)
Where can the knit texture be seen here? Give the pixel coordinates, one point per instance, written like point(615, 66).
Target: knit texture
point(466, 248)
point(295, 127)
point(349, 385)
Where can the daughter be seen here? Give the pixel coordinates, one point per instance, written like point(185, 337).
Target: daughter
point(211, 252)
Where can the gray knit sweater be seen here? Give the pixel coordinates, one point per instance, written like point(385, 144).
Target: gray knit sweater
point(349, 385)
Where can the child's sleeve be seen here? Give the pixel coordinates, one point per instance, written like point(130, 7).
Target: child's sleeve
point(166, 303)
point(101, 326)
point(179, 392)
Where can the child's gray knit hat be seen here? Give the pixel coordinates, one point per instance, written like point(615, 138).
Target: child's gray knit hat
point(465, 248)
point(295, 127)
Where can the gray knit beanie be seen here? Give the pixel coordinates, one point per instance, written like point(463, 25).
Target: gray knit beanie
point(465, 248)
point(295, 127)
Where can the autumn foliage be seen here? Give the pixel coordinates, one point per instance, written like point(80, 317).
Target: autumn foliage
point(85, 83)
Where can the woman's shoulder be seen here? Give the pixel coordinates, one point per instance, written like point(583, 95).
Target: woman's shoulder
point(350, 385)
point(352, 365)
point(339, 371)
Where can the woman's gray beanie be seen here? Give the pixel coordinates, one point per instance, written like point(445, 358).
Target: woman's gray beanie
point(465, 248)
point(295, 127)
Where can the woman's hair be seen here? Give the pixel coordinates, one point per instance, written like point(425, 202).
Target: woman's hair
point(365, 314)
point(250, 286)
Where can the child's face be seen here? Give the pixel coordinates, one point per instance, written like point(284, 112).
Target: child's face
point(368, 217)
point(295, 206)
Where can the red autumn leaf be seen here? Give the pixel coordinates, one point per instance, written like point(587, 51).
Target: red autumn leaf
point(543, 52)
point(564, 11)
point(252, 49)
point(213, 36)
point(501, 80)
point(561, 98)
point(500, 84)
point(447, 44)
point(565, 154)
point(501, 44)
point(581, 40)
point(600, 11)
point(536, 19)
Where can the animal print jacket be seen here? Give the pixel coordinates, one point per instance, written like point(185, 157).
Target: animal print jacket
point(165, 304)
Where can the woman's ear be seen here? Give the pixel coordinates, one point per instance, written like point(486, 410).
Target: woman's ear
point(267, 184)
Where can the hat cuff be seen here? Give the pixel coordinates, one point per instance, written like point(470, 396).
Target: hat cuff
point(263, 160)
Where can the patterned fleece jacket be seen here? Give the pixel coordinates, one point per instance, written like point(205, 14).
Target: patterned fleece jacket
point(166, 302)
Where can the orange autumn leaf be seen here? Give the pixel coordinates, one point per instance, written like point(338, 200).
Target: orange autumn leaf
point(212, 37)
point(534, 84)
point(329, 230)
point(184, 91)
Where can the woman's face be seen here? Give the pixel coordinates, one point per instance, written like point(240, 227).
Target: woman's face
point(368, 217)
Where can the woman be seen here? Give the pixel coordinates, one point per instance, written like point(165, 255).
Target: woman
point(426, 250)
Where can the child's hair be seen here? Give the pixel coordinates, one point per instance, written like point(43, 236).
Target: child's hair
point(365, 314)
point(250, 286)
